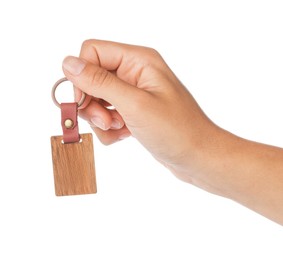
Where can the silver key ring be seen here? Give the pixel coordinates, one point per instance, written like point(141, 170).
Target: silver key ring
point(54, 90)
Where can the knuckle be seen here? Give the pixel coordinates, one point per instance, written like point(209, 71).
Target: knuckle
point(105, 139)
point(106, 142)
point(151, 52)
point(150, 57)
point(87, 47)
point(154, 52)
point(102, 136)
point(87, 43)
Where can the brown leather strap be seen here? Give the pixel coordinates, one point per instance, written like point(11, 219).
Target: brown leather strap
point(69, 122)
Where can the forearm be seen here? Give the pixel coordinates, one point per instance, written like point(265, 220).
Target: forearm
point(255, 176)
point(247, 172)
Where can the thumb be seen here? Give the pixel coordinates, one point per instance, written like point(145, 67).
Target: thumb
point(100, 83)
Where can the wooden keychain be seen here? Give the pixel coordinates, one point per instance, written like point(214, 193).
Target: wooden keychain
point(72, 153)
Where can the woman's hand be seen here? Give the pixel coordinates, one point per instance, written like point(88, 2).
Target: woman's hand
point(131, 91)
point(150, 103)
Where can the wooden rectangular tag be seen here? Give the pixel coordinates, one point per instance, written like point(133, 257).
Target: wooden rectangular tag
point(73, 166)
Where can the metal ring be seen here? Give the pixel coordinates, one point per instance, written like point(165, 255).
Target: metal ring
point(54, 90)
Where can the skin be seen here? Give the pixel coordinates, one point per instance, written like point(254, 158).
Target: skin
point(132, 92)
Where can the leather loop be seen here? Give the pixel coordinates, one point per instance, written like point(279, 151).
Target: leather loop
point(69, 122)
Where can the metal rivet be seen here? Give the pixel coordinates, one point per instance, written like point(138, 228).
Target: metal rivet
point(68, 123)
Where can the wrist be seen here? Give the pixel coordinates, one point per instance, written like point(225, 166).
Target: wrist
point(202, 163)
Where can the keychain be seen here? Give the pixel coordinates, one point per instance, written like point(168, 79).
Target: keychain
point(72, 153)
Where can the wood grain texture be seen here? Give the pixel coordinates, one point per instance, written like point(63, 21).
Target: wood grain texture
point(73, 166)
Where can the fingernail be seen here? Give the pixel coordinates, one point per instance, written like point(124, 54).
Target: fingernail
point(73, 65)
point(98, 122)
point(116, 124)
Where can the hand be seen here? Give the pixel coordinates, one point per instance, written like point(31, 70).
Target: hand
point(150, 103)
point(153, 106)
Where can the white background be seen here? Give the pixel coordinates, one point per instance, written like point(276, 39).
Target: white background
point(230, 56)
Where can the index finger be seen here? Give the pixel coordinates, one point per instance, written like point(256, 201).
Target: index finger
point(103, 53)
point(127, 61)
